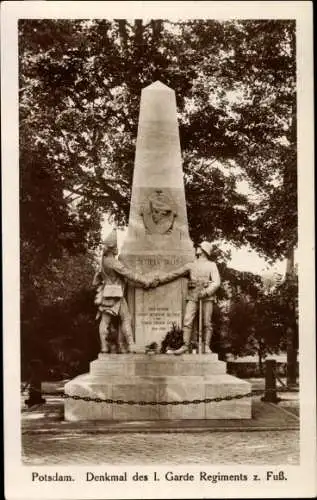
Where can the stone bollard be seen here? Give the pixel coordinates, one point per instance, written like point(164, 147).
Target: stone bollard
point(270, 382)
point(35, 381)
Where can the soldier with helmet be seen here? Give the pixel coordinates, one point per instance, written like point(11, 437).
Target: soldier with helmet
point(110, 281)
point(204, 281)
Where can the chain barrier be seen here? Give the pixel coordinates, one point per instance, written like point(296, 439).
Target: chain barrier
point(25, 387)
point(130, 402)
point(282, 384)
point(269, 393)
point(157, 403)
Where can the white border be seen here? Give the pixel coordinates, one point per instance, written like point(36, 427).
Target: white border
point(301, 479)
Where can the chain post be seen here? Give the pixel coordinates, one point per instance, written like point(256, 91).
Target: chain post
point(35, 394)
point(270, 395)
point(35, 385)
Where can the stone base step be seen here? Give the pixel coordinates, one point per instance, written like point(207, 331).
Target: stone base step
point(157, 365)
point(156, 389)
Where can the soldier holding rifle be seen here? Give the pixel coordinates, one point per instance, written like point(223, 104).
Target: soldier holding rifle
point(204, 280)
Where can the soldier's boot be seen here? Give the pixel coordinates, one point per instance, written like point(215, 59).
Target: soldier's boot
point(132, 347)
point(103, 344)
point(122, 347)
point(103, 333)
point(185, 347)
point(207, 341)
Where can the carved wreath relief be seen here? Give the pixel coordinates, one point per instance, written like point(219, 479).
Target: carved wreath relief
point(158, 213)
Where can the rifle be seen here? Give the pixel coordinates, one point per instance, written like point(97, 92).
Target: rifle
point(200, 326)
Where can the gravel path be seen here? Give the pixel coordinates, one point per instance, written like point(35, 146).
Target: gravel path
point(262, 448)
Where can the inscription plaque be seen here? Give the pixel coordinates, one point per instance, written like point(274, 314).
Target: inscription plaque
point(155, 312)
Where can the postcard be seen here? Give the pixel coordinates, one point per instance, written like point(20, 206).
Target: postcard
point(158, 250)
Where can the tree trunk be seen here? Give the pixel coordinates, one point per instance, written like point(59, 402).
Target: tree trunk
point(291, 340)
point(290, 182)
point(138, 32)
point(260, 361)
point(122, 23)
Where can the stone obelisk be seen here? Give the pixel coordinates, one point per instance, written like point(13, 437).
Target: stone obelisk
point(157, 240)
point(157, 237)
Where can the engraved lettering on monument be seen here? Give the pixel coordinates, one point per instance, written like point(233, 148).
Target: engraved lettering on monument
point(156, 311)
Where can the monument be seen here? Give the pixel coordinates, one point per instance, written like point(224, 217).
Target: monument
point(157, 244)
point(157, 238)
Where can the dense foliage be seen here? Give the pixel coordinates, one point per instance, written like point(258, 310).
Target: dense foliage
point(80, 85)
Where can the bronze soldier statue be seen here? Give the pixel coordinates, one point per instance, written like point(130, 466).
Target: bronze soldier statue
point(204, 280)
point(110, 281)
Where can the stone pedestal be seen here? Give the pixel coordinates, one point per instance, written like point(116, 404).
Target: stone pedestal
point(157, 378)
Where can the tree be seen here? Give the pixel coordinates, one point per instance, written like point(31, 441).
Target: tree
point(59, 326)
point(287, 297)
point(235, 85)
point(257, 325)
point(80, 86)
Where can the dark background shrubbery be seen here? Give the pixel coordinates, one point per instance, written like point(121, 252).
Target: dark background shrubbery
point(62, 336)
